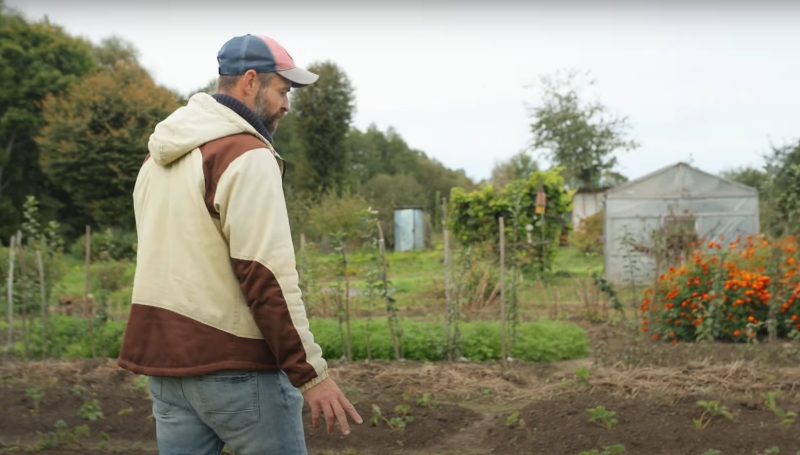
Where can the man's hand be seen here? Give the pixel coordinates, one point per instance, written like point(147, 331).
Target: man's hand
point(327, 397)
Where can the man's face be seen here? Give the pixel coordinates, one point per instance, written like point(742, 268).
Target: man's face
point(272, 102)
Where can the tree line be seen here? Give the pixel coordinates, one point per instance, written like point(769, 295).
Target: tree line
point(75, 118)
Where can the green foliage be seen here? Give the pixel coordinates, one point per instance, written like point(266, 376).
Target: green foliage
point(36, 59)
point(61, 437)
point(710, 410)
point(106, 245)
point(582, 376)
point(787, 417)
point(324, 111)
point(68, 338)
point(96, 139)
point(603, 417)
point(588, 238)
point(395, 423)
point(473, 217)
point(519, 167)
point(90, 410)
point(513, 420)
point(541, 341)
point(334, 213)
point(581, 137)
point(114, 50)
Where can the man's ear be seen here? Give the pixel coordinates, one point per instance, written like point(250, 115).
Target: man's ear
point(249, 82)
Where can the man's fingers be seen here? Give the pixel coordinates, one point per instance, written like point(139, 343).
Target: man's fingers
point(341, 417)
point(314, 416)
point(350, 409)
point(329, 416)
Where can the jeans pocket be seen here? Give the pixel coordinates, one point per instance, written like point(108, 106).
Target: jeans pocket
point(230, 399)
point(160, 406)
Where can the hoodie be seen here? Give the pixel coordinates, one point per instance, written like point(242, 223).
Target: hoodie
point(216, 285)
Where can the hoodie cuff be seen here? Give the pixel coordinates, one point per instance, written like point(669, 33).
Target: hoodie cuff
point(314, 382)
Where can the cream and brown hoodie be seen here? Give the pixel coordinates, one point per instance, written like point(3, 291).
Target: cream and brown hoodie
point(216, 285)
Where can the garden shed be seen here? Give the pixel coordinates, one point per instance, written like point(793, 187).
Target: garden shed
point(409, 228)
point(678, 201)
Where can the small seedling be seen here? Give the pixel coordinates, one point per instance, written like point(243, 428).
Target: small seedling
point(603, 417)
point(427, 401)
point(582, 376)
point(77, 390)
point(37, 396)
point(141, 384)
point(125, 411)
point(712, 452)
point(610, 450)
point(787, 417)
point(395, 423)
point(772, 450)
point(514, 420)
point(91, 410)
point(712, 409)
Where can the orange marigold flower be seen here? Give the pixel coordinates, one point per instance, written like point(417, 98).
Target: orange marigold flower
point(794, 317)
point(655, 336)
point(675, 341)
point(736, 333)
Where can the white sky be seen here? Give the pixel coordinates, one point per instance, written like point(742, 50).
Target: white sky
point(717, 82)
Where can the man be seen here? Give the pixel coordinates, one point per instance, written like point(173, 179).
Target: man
point(217, 320)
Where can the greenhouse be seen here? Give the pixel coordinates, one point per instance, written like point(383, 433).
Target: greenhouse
point(672, 206)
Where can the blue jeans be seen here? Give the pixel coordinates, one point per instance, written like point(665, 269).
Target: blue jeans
point(252, 412)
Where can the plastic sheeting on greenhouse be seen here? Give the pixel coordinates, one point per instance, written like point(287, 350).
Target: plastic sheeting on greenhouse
point(712, 205)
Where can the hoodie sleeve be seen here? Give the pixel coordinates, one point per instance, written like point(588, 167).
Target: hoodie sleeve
point(250, 201)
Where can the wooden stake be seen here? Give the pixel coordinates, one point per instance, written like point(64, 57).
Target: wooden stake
point(11, 246)
point(503, 293)
point(86, 288)
point(382, 244)
point(347, 306)
point(23, 307)
point(42, 303)
point(449, 308)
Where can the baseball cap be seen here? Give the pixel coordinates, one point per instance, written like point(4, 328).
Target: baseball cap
point(263, 55)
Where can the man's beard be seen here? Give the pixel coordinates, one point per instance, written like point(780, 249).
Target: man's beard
point(265, 112)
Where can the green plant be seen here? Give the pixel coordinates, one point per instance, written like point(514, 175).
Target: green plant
point(603, 417)
point(91, 410)
point(36, 395)
point(609, 450)
point(788, 417)
point(589, 235)
point(514, 420)
point(582, 376)
point(62, 436)
point(711, 410)
point(712, 452)
point(427, 401)
point(395, 423)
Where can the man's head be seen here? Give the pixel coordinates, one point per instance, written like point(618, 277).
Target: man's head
point(259, 72)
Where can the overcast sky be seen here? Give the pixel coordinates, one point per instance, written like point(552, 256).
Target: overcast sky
point(715, 82)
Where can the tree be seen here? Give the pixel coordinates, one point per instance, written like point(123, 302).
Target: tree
point(96, 139)
point(374, 152)
point(385, 192)
point(36, 59)
point(582, 137)
point(519, 166)
point(113, 50)
point(324, 111)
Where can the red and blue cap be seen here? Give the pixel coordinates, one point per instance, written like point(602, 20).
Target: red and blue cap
point(263, 55)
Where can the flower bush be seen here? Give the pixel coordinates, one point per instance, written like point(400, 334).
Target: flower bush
point(726, 291)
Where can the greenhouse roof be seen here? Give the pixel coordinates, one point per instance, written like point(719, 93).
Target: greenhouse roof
point(680, 181)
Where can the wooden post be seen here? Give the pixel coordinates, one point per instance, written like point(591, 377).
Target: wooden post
point(43, 303)
point(347, 306)
point(11, 246)
point(86, 309)
point(449, 307)
point(23, 307)
point(382, 244)
point(503, 293)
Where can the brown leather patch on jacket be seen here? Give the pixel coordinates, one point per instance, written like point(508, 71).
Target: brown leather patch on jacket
point(264, 296)
point(160, 342)
point(218, 155)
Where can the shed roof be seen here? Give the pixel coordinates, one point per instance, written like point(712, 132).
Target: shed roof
point(680, 181)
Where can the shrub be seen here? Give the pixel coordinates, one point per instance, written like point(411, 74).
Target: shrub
point(725, 292)
point(588, 238)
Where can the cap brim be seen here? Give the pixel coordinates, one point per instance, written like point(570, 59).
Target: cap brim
point(299, 77)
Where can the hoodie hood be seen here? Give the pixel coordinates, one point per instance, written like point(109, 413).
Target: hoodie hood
point(202, 120)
